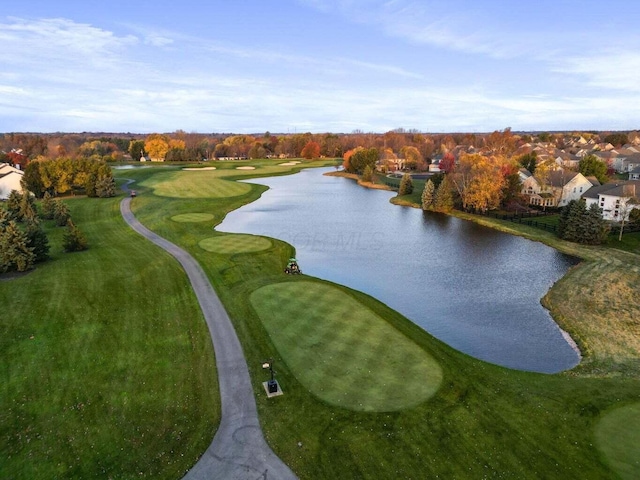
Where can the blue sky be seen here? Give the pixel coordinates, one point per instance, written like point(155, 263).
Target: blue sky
point(248, 66)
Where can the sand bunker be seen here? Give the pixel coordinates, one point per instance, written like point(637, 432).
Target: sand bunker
point(288, 164)
point(245, 168)
point(203, 168)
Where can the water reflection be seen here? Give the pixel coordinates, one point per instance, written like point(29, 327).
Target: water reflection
point(475, 288)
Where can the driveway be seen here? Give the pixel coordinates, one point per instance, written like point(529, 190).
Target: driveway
point(238, 450)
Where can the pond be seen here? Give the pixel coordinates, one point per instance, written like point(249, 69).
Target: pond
point(472, 287)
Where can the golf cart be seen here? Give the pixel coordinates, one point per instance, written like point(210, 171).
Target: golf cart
point(292, 267)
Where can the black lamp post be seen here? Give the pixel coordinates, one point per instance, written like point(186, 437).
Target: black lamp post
point(272, 385)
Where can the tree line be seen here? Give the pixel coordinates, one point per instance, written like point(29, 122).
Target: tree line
point(416, 147)
point(62, 176)
point(23, 240)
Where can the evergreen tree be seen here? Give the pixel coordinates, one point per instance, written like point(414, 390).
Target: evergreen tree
point(106, 187)
point(61, 213)
point(406, 185)
point(428, 195)
point(48, 206)
point(28, 210)
point(15, 254)
point(37, 240)
point(4, 219)
point(32, 179)
point(13, 204)
point(443, 201)
point(596, 228)
point(572, 229)
point(564, 219)
point(73, 240)
point(367, 174)
point(577, 224)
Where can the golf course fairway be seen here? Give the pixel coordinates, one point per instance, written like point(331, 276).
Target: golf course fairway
point(341, 351)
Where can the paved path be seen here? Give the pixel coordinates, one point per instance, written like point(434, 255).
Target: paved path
point(238, 450)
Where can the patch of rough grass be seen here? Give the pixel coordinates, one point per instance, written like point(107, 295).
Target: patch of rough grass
point(192, 217)
point(235, 243)
point(598, 299)
point(341, 351)
point(618, 437)
point(179, 184)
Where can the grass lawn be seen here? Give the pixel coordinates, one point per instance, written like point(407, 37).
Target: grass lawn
point(342, 352)
point(483, 420)
point(618, 435)
point(234, 243)
point(106, 365)
point(192, 217)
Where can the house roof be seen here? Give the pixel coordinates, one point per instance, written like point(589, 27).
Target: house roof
point(593, 192)
point(594, 181)
point(559, 178)
point(620, 189)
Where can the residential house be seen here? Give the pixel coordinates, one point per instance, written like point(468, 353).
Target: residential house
point(629, 163)
point(567, 160)
point(615, 199)
point(10, 178)
point(557, 190)
point(634, 174)
point(611, 158)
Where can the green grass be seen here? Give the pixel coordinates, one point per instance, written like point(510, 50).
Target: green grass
point(234, 243)
point(181, 184)
point(341, 351)
point(483, 421)
point(192, 217)
point(618, 436)
point(106, 365)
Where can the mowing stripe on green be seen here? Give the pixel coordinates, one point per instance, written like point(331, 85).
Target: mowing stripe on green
point(192, 217)
point(341, 351)
point(235, 243)
point(618, 437)
point(186, 185)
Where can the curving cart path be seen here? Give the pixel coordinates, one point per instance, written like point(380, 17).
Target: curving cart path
point(238, 450)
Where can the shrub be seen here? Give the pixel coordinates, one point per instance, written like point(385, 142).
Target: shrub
point(73, 239)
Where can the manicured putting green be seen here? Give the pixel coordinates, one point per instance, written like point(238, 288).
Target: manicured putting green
point(187, 185)
point(192, 217)
point(618, 437)
point(235, 243)
point(342, 352)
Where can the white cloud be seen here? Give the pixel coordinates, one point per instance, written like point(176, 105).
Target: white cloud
point(157, 40)
point(58, 39)
point(612, 70)
point(61, 75)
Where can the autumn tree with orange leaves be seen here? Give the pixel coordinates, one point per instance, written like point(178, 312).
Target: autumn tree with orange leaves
point(479, 182)
point(157, 146)
point(311, 150)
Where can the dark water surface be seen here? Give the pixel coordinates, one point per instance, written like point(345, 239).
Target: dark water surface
point(472, 287)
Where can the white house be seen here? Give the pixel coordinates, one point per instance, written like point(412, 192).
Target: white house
point(559, 188)
point(615, 199)
point(9, 180)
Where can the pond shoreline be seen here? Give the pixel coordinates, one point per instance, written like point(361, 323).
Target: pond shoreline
point(465, 216)
point(518, 345)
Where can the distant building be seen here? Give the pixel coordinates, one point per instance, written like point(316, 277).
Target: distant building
point(615, 199)
point(559, 188)
point(10, 178)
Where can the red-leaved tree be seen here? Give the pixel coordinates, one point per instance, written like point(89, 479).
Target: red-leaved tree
point(447, 163)
point(311, 150)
